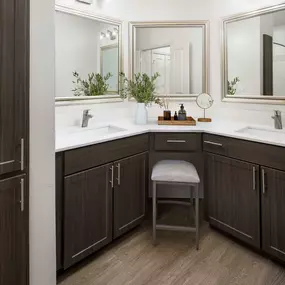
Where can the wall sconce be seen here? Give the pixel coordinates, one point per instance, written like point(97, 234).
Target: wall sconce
point(102, 36)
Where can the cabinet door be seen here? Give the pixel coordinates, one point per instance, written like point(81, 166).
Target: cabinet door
point(129, 193)
point(233, 197)
point(59, 208)
point(87, 213)
point(14, 249)
point(273, 212)
point(14, 78)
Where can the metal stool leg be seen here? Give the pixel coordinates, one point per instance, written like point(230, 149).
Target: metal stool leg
point(154, 214)
point(197, 216)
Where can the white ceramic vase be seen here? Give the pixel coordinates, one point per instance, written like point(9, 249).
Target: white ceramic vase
point(141, 114)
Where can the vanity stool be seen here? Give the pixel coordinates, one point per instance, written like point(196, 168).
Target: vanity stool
point(176, 172)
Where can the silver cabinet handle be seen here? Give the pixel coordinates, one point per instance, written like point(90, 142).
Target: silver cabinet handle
point(22, 154)
point(213, 143)
point(22, 202)
point(263, 181)
point(119, 173)
point(112, 176)
point(254, 178)
point(176, 141)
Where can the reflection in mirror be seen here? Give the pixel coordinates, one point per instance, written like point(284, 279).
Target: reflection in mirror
point(255, 56)
point(177, 53)
point(87, 57)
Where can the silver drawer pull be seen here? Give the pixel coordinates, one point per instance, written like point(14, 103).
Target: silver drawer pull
point(213, 143)
point(6, 162)
point(176, 141)
point(263, 181)
point(119, 173)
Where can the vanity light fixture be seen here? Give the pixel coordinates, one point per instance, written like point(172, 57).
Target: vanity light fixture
point(111, 35)
point(116, 31)
point(102, 36)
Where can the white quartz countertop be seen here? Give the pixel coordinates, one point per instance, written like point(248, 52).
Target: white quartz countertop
point(75, 137)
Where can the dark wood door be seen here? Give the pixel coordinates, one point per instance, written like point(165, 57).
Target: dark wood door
point(129, 193)
point(233, 197)
point(87, 213)
point(14, 250)
point(273, 211)
point(59, 209)
point(14, 82)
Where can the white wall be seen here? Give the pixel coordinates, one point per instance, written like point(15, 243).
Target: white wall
point(76, 46)
point(244, 42)
point(42, 135)
point(139, 10)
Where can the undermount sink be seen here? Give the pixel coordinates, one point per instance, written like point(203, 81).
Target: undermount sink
point(99, 131)
point(263, 132)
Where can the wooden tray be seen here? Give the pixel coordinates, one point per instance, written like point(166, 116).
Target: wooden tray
point(189, 122)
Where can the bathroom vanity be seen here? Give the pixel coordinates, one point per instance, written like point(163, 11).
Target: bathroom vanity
point(102, 187)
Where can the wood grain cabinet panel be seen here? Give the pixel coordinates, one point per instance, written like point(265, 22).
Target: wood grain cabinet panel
point(14, 229)
point(234, 197)
point(87, 213)
point(14, 85)
point(129, 193)
point(273, 212)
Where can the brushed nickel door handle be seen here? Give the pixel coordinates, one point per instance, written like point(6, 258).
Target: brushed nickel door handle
point(119, 173)
point(22, 154)
point(263, 181)
point(176, 141)
point(254, 178)
point(6, 162)
point(112, 176)
point(22, 201)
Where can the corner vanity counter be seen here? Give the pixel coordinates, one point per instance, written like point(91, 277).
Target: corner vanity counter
point(103, 177)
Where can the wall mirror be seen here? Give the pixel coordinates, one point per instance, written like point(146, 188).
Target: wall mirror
point(253, 54)
point(88, 56)
point(178, 51)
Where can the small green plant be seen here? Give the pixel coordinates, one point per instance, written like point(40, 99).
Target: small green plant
point(232, 88)
point(141, 88)
point(95, 85)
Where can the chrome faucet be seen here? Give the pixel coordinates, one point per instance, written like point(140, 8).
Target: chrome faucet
point(85, 118)
point(277, 120)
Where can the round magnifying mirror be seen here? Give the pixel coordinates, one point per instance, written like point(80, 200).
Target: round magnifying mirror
point(204, 101)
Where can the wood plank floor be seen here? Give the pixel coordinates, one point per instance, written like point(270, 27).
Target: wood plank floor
point(133, 260)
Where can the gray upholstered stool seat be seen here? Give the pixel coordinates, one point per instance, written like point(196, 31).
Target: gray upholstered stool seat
point(181, 173)
point(175, 171)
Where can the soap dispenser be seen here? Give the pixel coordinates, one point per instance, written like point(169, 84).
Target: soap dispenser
point(182, 113)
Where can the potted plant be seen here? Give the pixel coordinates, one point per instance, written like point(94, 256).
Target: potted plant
point(95, 85)
point(232, 86)
point(142, 89)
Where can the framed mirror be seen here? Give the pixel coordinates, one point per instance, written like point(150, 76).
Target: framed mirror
point(253, 56)
point(178, 51)
point(88, 57)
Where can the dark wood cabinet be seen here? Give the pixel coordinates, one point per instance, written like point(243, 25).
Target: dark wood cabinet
point(59, 209)
point(87, 213)
point(14, 85)
point(273, 212)
point(14, 208)
point(232, 188)
point(129, 193)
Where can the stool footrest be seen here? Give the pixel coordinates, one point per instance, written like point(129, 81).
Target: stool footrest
point(175, 228)
point(174, 202)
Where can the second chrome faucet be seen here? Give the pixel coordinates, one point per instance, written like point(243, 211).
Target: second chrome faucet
point(85, 118)
point(277, 120)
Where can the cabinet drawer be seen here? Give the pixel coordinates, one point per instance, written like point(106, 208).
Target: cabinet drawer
point(87, 157)
point(177, 142)
point(215, 144)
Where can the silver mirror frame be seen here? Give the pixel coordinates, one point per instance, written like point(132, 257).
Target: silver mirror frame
point(172, 24)
point(224, 63)
point(103, 19)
